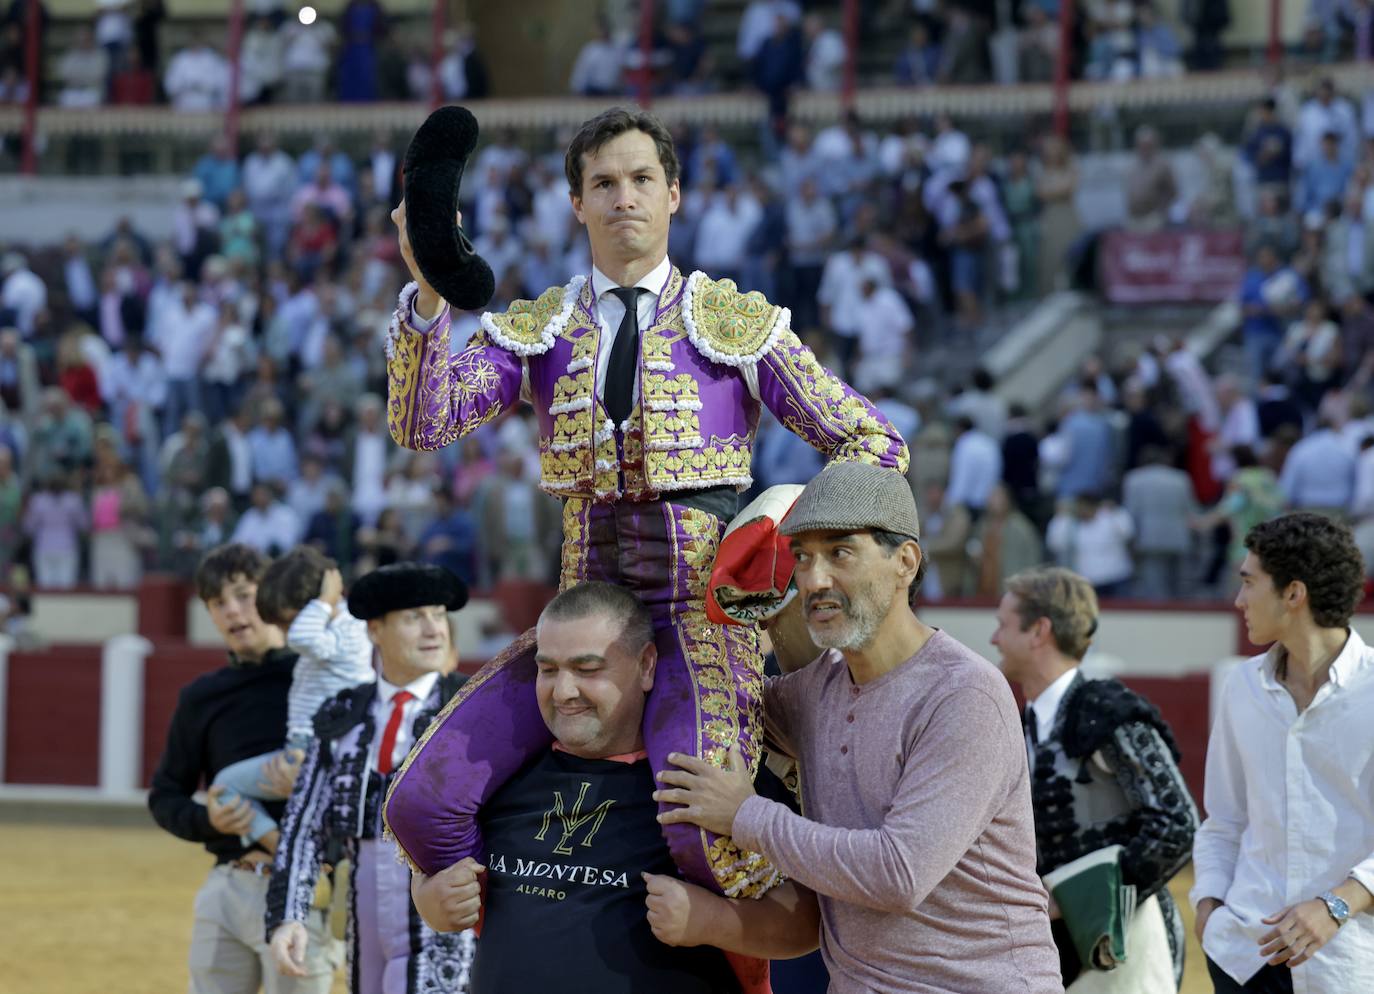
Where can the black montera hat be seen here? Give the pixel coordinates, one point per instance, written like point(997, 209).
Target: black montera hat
point(405, 585)
point(432, 171)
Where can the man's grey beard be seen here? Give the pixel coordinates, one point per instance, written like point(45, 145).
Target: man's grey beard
point(860, 632)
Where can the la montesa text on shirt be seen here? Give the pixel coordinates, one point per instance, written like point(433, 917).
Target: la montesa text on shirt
point(552, 874)
point(568, 830)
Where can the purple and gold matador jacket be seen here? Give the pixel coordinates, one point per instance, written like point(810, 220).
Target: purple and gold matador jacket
point(694, 423)
point(691, 429)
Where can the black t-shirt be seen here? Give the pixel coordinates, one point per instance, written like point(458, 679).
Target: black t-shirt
point(566, 841)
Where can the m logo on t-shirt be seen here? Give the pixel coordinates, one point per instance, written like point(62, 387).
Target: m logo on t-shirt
point(573, 822)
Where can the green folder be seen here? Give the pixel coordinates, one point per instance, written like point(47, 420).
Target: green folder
point(1096, 906)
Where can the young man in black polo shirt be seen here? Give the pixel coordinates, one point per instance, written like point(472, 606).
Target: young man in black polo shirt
point(234, 713)
point(579, 891)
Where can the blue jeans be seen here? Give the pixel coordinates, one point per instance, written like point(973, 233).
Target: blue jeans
point(243, 780)
point(183, 396)
point(1259, 353)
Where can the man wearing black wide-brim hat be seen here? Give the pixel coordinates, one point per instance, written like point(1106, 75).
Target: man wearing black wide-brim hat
point(362, 737)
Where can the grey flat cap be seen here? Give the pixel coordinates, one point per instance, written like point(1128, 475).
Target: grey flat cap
point(854, 496)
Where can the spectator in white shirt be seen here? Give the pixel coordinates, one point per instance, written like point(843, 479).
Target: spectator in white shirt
point(723, 232)
point(269, 181)
point(1239, 426)
point(1092, 537)
point(1284, 863)
point(370, 451)
point(757, 23)
point(183, 334)
point(82, 291)
point(262, 62)
point(549, 215)
point(307, 493)
point(197, 79)
point(499, 247)
point(114, 30)
point(826, 55)
point(841, 283)
point(950, 151)
point(1319, 473)
point(462, 72)
point(885, 337)
point(273, 448)
point(134, 386)
point(268, 525)
point(975, 467)
point(597, 71)
point(811, 227)
point(1325, 112)
point(83, 69)
point(22, 291)
point(981, 404)
point(305, 64)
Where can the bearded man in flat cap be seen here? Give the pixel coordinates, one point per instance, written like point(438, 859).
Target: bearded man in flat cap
point(918, 838)
point(361, 738)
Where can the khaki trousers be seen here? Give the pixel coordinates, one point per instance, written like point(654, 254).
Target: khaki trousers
point(229, 951)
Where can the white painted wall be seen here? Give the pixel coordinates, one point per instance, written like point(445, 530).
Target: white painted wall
point(83, 619)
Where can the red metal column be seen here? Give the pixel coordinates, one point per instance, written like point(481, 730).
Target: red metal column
point(1275, 30)
point(32, 59)
point(851, 54)
point(231, 115)
point(646, 52)
point(1061, 69)
point(436, 56)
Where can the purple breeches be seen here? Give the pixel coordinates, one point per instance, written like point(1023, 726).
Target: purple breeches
point(707, 696)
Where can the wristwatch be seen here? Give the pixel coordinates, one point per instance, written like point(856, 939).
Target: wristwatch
point(1335, 907)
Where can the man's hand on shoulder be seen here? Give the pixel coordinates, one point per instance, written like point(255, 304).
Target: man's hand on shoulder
point(451, 900)
point(710, 797)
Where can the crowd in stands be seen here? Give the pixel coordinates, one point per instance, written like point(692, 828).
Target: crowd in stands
point(363, 54)
point(228, 382)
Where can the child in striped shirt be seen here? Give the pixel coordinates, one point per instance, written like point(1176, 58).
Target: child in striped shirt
point(302, 593)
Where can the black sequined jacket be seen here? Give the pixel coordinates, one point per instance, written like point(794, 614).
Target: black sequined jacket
point(336, 804)
point(1108, 774)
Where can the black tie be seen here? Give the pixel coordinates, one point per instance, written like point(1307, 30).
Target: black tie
point(1031, 725)
point(620, 372)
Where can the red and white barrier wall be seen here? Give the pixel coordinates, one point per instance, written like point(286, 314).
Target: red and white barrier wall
point(90, 712)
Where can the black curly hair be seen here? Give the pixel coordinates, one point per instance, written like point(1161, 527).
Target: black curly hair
point(1318, 551)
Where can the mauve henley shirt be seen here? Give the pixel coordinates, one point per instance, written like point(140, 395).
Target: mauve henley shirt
point(918, 836)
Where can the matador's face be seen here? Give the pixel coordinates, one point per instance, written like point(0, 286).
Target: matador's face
point(626, 200)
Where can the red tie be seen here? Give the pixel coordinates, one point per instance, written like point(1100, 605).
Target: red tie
point(393, 725)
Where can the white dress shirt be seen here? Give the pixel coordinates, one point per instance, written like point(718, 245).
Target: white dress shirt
point(975, 467)
point(265, 530)
point(419, 689)
point(1290, 813)
point(1098, 548)
point(183, 334)
point(1046, 706)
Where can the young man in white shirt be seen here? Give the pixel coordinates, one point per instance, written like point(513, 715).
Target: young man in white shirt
point(1285, 860)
